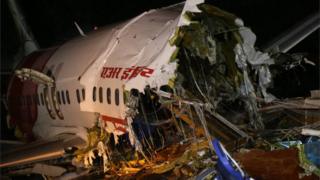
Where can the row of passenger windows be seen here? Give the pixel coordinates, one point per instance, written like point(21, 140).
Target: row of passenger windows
point(108, 94)
point(63, 97)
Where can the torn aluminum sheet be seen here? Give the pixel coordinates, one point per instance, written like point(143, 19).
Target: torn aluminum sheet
point(97, 138)
point(132, 111)
point(222, 77)
point(189, 6)
point(144, 47)
point(265, 80)
point(210, 52)
point(246, 53)
point(145, 61)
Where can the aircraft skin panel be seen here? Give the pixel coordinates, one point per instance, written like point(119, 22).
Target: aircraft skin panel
point(77, 54)
point(73, 117)
point(137, 45)
point(138, 35)
point(64, 64)
point(118, 58)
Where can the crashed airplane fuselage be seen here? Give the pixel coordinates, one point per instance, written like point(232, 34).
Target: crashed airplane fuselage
point(95, 73)
point(191, 58)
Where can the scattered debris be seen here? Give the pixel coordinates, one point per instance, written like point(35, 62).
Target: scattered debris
point(221, 78)
point(220, 92)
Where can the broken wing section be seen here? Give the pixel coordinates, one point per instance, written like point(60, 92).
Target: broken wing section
point(39, 151)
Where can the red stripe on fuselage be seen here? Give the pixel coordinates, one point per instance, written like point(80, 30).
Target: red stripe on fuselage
point(23, 111)
point(114, 120)
point(122, 129)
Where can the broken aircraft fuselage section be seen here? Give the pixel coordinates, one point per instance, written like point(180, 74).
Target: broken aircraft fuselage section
point(152, 93)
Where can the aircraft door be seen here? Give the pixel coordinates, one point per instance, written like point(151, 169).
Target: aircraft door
point(48, 102)
point(55, 103)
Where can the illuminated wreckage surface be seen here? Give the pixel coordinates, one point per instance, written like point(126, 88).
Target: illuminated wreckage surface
point(186, 77)
point(209, 65)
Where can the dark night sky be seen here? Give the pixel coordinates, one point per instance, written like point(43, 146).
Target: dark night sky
point(52, 23)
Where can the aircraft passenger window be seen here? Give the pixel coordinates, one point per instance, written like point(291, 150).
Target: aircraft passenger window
point(94, 94)
point(78, 95)
point(58, 97)
point(83, 94)
point(63, 98)
point(100, 95)
point(67, 95)
point(109, 96)
point(116, 96)
point(42, 101)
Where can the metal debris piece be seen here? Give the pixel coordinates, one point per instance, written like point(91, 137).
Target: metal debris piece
point(214, 50)
point(97, 138)
point(310, 132)
point(186, 157)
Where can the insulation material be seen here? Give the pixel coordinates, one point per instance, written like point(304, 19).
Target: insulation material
point(189, 6)
point(215, 51)
point(203, 121)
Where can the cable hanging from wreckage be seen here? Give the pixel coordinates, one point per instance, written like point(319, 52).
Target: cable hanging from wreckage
point(217, 65)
